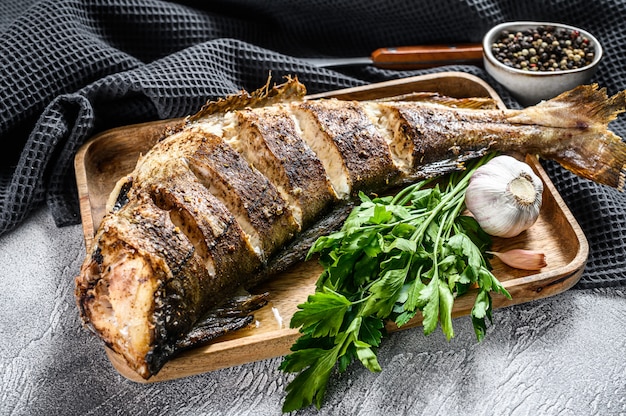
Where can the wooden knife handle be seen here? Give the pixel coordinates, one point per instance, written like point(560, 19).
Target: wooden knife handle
point(426, 56)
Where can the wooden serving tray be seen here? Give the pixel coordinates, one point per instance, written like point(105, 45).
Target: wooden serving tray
point(112, 154)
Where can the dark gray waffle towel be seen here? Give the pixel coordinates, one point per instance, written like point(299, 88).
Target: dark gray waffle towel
point(71, 69)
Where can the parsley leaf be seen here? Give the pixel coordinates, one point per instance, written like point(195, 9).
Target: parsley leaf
point(323, 312)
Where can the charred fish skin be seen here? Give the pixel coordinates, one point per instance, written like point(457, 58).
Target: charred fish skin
point(208, 208)
point(216, 237)
point(355, 153)
point(552, 130)
point(245, 191)
point(270, 140)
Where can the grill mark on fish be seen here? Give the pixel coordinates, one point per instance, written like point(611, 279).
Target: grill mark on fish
point(216, 235)
point(324, 148)
point(269, 140)
point(357, 144)
point(149, 279)
point(250, 196)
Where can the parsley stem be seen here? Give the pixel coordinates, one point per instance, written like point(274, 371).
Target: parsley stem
point(405, 195)
point(393, 257)
point(389, 225)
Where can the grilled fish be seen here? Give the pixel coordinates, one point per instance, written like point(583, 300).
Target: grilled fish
point(209, 208)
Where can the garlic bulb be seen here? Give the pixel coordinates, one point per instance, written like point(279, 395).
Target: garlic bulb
point(504, 196)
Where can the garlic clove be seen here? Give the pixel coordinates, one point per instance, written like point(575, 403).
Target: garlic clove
point(504, 196)
point(522, 259)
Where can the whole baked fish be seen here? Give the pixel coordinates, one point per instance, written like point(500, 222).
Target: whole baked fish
point(209, 208)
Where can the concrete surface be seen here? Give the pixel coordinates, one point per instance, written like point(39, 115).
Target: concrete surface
point(563, 355)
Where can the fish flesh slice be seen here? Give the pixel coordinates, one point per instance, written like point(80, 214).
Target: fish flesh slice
point(241, 188)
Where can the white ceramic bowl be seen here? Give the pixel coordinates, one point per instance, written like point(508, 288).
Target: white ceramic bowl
point(531, 87)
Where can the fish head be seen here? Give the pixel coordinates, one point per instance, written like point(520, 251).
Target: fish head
point(115, 294)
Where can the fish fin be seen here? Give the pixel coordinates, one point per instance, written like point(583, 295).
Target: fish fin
point(290, 90)
point(476, 103)
point(586, 112)
point(296, 251)
point(234, 314)
point(119, 196)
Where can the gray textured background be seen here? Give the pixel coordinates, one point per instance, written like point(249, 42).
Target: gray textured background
point(559, 356)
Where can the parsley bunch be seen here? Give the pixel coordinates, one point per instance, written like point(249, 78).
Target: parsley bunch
point(393, 257)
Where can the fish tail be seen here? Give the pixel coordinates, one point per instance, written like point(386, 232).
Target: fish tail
point(602, 161)
point(587, 102)
point(585, 146)
point(596, 111)
point(585, 106)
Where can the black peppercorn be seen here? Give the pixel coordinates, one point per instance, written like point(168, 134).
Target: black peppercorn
point(545, 48)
